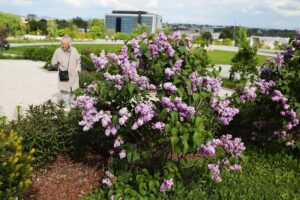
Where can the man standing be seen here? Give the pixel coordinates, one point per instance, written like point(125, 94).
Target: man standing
point(67, 59)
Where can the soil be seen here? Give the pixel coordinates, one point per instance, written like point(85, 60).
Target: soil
point(65, 179)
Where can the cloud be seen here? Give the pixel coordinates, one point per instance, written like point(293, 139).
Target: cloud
point(286, 8)
point(18, 2)
point(115, 4)
point(152, 4)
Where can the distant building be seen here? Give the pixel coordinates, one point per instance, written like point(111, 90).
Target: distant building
point(126, 21)
point(32, 17)
point(23, 19)
point(268, 42)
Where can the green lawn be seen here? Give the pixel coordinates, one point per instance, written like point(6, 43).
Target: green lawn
point(215, 57)
point(224, 57)
point(79, 47)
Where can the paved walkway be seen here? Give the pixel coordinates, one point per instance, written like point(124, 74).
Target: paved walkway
point(24, 82)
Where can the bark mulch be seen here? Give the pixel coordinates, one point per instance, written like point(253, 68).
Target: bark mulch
point(65, 179)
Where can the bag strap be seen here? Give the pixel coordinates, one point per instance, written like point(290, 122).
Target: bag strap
point(68, 61)
point(69, 58)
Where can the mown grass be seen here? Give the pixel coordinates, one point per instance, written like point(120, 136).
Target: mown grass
point(215, 57)
point(79, 47)
point(264, 175)
point(224, 57)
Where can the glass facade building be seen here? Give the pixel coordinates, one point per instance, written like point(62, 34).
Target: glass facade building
point(126, 21)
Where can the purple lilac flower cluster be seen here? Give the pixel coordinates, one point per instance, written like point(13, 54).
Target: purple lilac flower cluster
point(248, 94)
point(286, 112)
point(234, 147)
point(92, 87)
point(136, 48)
point(118, 142)
point(225, 113)
point(146, 112)
point(169, 72)
point(166, 185)
point(109, 180)
point(124, 115)
point(101, 61)
point(164, 45)
point(188, 42)
point(266, 70)
point(170, 87)
point(185, 111)
point(160, 126)
point(279, 59)
point(209, 84)
point(118, 79)
point(89, 115)
point(175, 36)
point(113, 198)
point(264, 86)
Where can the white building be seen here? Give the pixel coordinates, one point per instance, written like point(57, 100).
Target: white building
point(268, 42)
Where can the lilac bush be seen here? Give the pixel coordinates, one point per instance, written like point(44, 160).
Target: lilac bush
point(146, 130)
point(275, 96)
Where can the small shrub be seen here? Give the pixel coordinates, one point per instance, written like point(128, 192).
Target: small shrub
point(48, 129)
point(39, 53)
point(15, 169)
point(245, 62)
point(86, 61)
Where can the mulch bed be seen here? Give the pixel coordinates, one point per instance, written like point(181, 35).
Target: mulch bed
point(65, 179)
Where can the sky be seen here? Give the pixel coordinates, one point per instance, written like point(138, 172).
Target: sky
point(279, 14)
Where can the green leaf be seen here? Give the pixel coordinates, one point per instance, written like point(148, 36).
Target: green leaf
point(167, 128)
point(174, 141)
point(185, 146)
point(174, 117)
point(148, 54)
point(197, 138)
point(199, 123)
point(131, 87)
point(174, 131)
point(151, 185)
point(189, 84)
point(180, 91)
point(196, 97)
point(115, 119)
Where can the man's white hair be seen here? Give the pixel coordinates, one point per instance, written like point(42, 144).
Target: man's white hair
point(67, 39)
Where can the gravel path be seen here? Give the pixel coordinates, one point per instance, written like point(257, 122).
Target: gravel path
point(24, 82)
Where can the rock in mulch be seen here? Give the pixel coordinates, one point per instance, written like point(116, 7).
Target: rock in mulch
point(65, 179)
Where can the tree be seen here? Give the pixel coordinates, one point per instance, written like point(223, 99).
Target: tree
point(241, 37)
point(13, 23)
point(97, 32)
point(62, 24)
point(227, 32)
point(95, 22)
point(167, 29)
point(32, 26)
point(139, 29)
point(207, 38)
point(80, 23)
point(52, 28)
point(42, 27)
point(96, 28)
point(244, 62)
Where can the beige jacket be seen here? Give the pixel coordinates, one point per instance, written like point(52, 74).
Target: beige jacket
point(62, 57)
